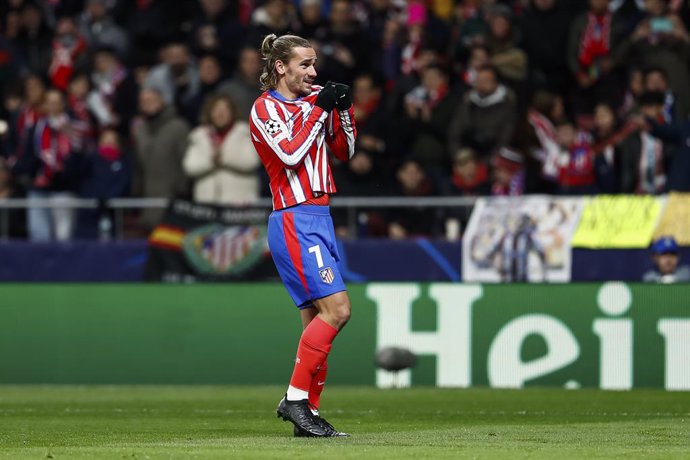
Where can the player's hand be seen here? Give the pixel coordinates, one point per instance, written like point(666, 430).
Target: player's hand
point(326, 98)
point(343, 96)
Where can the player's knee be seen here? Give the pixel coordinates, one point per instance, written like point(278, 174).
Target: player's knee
point(343, 313)
point(340, 312)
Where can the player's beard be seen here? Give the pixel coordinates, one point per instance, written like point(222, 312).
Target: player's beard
point(299, 85)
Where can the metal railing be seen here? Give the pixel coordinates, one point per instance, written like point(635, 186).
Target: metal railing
point(353, 205)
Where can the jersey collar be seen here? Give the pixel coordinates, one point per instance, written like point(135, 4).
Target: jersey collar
point(280, 97)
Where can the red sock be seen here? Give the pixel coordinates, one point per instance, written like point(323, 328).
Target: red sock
point(317, 385)
point(313, 349)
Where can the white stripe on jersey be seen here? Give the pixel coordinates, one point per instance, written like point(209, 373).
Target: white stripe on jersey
point(282, 198)
point(295, 185)
point(346, 123)
point(309, 166)
point(324, 163)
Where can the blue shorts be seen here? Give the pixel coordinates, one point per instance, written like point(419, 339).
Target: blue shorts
point(302, 243)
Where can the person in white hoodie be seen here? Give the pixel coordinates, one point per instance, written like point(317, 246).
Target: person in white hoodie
point(220, 157)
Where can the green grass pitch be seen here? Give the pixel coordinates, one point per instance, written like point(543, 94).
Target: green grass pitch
point(240, 422)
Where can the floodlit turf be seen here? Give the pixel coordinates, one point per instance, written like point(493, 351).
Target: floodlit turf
point(240, 422)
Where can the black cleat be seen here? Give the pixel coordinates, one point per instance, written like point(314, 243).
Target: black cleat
point(332, 432)
point(330, 429)
point(300, 415)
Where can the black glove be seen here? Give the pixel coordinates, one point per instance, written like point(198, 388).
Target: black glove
point(343, 96)
point(326, 98)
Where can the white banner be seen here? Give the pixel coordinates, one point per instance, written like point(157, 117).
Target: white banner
point(520, 239)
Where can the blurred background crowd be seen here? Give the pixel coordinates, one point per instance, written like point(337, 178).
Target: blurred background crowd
point(150, 98)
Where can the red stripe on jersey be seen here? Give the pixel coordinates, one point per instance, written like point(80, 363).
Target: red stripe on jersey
point(293, 246)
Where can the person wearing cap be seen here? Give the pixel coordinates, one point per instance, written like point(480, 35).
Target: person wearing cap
point(508, 173)
point(666, 258)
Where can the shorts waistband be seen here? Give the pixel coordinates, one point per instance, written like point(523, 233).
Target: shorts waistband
point(305, 209)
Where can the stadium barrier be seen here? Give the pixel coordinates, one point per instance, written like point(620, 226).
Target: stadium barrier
point(613, 335)
point(351, 206)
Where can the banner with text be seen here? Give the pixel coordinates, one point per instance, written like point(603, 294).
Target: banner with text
point(675, 219)
point(613, 335)
point(520, 239)
point(199, 242)
point(617, 221)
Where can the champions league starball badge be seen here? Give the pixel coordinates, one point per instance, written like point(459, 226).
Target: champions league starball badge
point(272, 127)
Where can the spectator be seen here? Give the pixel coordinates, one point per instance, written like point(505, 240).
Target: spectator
point(608, 133)
point(666, 269)
point(220, 157)
point(412, 181)
point(379, 17)
point(113, 99)
point(645, 158)
point(244, 87)
point(362, 177)
point(34, 39)
point(11, 107)
point(509, 61)
point(470, 177)
point(479, 57)
point(149, 24)
point(106, 173)
point(214, 28)
point(595, 51)
point(160, 142)
point(342, 46)
point(536, 135)
point(656, 80)
point(429, 108)
point(11, 63)
point(309, 23)
point(486, 117)
point(271, 17)
point(69, 53)
point(177, 78)
point(99, 29)
point(31, 109)
point(508, 173)
point(11, 25)
point(468, 29)
point(576, 172)
point(661, 40)
point(50, 167)
point(12, 219)
point(83, 129)
point(678, 136)
point(373, 123)
point(210, 79)
point(545, 39)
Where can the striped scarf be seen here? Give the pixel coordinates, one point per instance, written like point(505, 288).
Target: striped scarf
point(53, 147)
point(549, 152)
point(596, 40)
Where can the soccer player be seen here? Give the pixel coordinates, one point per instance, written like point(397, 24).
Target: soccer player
point(292, 124)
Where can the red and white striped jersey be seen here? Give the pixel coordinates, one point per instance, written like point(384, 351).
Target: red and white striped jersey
point(291, 136)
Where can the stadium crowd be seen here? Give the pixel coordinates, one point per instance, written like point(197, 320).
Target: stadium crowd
point(149, 98)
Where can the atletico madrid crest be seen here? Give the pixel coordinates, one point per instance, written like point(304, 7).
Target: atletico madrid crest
point(327, 275)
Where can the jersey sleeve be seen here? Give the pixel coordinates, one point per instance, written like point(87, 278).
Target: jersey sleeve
point(270, 127)
point(342, 133)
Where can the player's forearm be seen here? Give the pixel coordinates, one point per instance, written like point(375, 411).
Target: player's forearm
point(343, 135)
